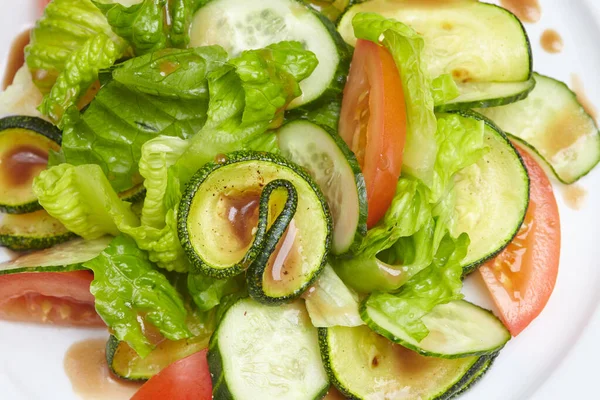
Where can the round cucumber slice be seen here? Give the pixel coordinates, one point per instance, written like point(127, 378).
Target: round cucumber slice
point(335, 169)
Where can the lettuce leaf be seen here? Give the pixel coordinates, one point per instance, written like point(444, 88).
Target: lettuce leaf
point(327, 114)
point(80, 72)
point(173, 73)
point(406, 47)
point(444, 89)
point(207, 292)
point(407, 238)
point(141, 24)
point(440, 283)
point(83, 200)
point(181, 13)
point(127, 288)
point(63, 29)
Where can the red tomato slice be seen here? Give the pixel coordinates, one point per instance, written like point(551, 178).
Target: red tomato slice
point(42, 5)
point(522, 278)
point(373, 123)
point(186, 379)
point(62, 298)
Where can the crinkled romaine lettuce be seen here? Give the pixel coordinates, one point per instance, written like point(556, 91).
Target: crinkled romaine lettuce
point(208, 293)
point(63, 29)
point(439, 283)
point(444, 89)
point(80, 72)
point(128, 289)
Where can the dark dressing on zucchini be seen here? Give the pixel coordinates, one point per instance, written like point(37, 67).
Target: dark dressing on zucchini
point(21, 164)
point(85, 365)
point(551, 41)
point(286, 259)
point(16, 57)
point(579, 90)
point(525, 10)
point(242, 213)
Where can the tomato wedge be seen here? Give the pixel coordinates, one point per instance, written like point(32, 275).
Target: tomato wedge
point(61, 298)
point(373, 123)
point(186, 379)
point(522, 278)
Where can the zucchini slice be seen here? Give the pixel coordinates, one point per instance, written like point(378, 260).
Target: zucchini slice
point(334, 167)
point(256, 212)
point(473, 42)
point(24, 146)
point(262, 352)
point(239, 25)
point(135, 194)
point(492, 196)
point(488, 94)
point(363, 365)
point(553, 124)
point(457, 329)
point(477, 372)
point(63, 257)
point(125, 363)
point(32, 231)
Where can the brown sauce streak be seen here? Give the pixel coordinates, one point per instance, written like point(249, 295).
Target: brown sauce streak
point(242, 214)
point(22, 164)
point(578, 88)
point(575, 196)
point(551, 41)
point(85, 365)
point(285, 263)
point(525, 10)
point(16, 57)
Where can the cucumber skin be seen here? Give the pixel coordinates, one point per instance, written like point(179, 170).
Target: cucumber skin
point(22, 243)
point(255, 252)
point(41, 127)
point(470, 268)
point(488, 103)
point(53, 268)
point(392, 338)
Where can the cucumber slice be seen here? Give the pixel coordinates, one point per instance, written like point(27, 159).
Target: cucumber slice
point(477, 372)
point(239, 25)
point(335, 169)
point(363, 365)
point(484, 94)
point(457, 329)
point(63, 257)
point(555, 126)
point(281, 236)
point(32, 231)
point(492, 196)
point(473, 42)
point(24, 146)
point(262, 352)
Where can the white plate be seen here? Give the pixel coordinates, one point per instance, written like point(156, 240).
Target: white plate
point(552, 359)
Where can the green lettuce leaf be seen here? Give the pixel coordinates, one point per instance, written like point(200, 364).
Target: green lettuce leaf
point(63, 29)
point(207, 292)
point(444, 89)
point(440, 283)
point(127, 288)
point(141, 24)
point(327, 114)
point(173, 73)
point(181, 13)
point(80, 72)
point(406, 47)
point(407, 238)
point(83, 200)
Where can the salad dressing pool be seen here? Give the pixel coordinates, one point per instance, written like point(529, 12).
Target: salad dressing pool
point(85, 365)
point(579, 89)
point(525, 10)
point(16, 57)
point(242, 214)
point(22, 163)
point(551, 41)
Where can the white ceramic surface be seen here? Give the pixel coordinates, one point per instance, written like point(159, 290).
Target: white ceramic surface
point(555, 358)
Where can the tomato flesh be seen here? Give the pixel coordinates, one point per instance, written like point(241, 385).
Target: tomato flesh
point(186, 379)
point(373, 123)
point(61, 298)
point(522, 277)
